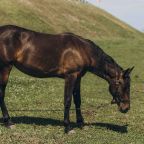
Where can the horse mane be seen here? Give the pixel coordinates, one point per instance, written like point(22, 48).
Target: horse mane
point(106, 65)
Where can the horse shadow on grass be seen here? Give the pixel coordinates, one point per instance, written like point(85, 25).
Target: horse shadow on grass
point(112, 127)
point(55, 122)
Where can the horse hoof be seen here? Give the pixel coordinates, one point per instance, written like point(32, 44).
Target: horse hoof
point(10, 125)
point(68, 129)
point(80, 125)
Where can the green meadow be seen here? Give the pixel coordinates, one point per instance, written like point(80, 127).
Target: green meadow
point(36, 105)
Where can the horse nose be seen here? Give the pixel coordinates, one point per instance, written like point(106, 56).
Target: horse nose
point(124, 108)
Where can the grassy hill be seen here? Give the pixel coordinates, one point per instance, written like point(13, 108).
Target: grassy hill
point(55, 16)
point(36, 105)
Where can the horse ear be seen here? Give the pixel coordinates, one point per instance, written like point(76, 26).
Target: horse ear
point(127, 72)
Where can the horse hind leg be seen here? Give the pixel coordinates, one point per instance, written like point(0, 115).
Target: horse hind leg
point(4, 74)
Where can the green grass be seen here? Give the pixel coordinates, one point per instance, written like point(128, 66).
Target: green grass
point(36, 106)
point(56, 16)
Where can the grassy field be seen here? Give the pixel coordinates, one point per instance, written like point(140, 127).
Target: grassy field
point(36, 105)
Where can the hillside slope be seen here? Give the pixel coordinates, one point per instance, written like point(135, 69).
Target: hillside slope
point(55, 16)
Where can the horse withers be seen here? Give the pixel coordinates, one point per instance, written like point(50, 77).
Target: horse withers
point(66, 56)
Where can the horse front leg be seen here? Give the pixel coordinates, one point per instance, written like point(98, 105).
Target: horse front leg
point(4, 74)
point(77, 102)
point(69, 86)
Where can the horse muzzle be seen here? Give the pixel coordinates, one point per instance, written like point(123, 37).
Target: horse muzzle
point(124, 107)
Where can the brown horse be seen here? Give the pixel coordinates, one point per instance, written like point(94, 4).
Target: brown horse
point(63, 55)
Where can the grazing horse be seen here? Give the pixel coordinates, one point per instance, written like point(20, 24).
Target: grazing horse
point(65, 56)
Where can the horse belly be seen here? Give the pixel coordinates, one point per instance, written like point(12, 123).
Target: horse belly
point(36, 71)
point(37, 66)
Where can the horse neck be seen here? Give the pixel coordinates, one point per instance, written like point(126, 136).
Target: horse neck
point(107, 68)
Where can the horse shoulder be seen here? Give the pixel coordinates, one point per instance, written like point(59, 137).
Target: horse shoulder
point(75, 56)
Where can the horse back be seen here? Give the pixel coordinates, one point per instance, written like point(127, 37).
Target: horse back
point(40, 54)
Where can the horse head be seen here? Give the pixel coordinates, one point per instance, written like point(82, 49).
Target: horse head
point(120, 90)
